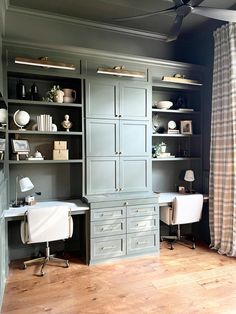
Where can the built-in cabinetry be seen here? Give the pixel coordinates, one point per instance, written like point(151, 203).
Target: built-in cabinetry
point(117, 113)
point(123, 226)
point(54, 178)
point(183, 146)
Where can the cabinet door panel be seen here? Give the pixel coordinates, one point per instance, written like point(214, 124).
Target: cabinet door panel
point(108, 247)
point(108, 227)
point(102, 137)
point(135, 174)
point(134, 101)
point(134, 139)
point(102, 175)
point(142, 242)
point(101, 99)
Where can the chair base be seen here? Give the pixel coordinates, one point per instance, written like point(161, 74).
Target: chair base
point(182, 240)
point(44, 260)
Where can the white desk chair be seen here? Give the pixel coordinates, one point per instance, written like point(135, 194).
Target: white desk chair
point(186, 209)
point(44, 225)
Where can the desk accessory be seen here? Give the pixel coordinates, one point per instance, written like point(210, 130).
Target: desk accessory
point(25, 185)
point(3, 118)
point(189, 177)
point(21, 118)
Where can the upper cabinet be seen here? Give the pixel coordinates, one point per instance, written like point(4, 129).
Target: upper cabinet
point(113, 99)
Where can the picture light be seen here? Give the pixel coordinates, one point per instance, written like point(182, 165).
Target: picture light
point(44, 62)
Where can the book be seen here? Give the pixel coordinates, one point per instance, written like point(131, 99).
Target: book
point(185, 109)
point(35, 158)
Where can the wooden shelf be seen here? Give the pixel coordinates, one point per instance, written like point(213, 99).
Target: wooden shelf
point(70, 161)
point(57, 133)
point(175, 86)
point(43, 103)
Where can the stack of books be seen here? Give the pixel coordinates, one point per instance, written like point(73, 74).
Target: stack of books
point(165, 155)
point(44, 122)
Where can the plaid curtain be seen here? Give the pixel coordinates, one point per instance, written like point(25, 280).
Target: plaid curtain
point(222, 189)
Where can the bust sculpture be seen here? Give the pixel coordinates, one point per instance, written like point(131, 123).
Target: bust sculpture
point(66, 123)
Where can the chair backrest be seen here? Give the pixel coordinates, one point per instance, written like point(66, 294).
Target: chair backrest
point(187, 209)
point(47, 224)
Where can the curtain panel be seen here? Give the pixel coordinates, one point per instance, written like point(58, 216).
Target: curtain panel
point(222, 189)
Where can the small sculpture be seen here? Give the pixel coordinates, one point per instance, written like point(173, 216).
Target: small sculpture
point(66, 123)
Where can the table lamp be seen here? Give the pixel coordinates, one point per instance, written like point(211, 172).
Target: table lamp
point(189, 177)
point(25, 185)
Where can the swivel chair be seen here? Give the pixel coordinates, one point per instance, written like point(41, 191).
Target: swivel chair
point(186, 209)
point(44, 225)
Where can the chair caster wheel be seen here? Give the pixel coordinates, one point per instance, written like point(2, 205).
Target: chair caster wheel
point(24, 266)
point(193, 246)
point(67, 264)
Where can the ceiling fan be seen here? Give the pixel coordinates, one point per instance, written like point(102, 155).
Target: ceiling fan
point(184, 8)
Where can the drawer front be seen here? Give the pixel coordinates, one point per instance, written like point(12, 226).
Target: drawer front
point(108, 227)
point(142, 243)
point(142, 210)
point(142, 224)
point(108, 247)
point(110, 213)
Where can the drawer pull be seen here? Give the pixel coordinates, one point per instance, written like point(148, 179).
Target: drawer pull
point(107, 248)
point(107, 229)
point(141, 225)
point(141, 242)
point(107, 214)
point(126, 203)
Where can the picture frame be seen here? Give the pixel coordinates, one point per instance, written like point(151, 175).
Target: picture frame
point(2, 144)
point(181, 189)
point(20, 146)
point(186, 127)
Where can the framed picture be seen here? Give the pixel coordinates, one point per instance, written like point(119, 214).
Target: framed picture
point(181, 189)
point(2, 144)
point(20, 146)
point(186, 127)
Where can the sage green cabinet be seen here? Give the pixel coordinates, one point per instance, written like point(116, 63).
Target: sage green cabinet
point(114, 99)
point(122, 227)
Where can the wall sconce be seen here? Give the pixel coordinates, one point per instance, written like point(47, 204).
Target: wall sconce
point(120, 71)
point(189, 177)
point(25, 185)
point(44, 62)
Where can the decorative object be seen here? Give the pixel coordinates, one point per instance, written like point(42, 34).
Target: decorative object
point(54, 127)
point(120, 71)
point(44, 123)
point(2, 148)
point(66, 123)
point(34, 92)
point(181, 189)
point(20, 90)
point(25, 185)
point(172, 128)
point(58, 96)
point(155, 123)
point(69, 95)
point(60, 151)
point(3, 118)
point(45, 63)
point(186, 127)
point(181, 102)
point(21, 118)
point(189, 177)
point(160, 151)
point(20, 147)
point(164, 104)
point(53, 95)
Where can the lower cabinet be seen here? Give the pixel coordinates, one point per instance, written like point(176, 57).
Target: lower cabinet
point(123, 228)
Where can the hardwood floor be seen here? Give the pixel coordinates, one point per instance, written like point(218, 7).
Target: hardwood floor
point(179, 281)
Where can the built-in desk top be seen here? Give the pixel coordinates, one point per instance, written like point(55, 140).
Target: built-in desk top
point(119, 197)
point(167, 198)
point(76, 206)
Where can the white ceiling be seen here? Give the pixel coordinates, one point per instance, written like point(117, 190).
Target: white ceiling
point(104, 11)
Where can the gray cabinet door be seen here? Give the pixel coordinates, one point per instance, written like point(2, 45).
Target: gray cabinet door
point(135, 174)
point(102, 175)
point(101, 98)
point(135, 100)
point(102, 137)
point(134, 138)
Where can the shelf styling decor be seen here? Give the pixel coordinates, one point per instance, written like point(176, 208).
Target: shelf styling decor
point(21, 118)
point(186, 127)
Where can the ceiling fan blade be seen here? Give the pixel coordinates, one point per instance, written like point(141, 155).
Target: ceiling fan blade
point(141, 16)
point(218, 14)
point(175, 28)
point(195, 3)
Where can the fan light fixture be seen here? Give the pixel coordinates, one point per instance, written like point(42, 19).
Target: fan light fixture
point(120, 71)
point(44, 62)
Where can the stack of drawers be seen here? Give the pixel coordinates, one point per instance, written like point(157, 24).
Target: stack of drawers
point(118, 231)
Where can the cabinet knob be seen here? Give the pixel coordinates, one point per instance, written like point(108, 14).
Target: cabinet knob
point(121, 189)
point(126, 203)
point(120, 115)
point(116, 153)
point(116, 115)
point(117, 189)
point(120, 153)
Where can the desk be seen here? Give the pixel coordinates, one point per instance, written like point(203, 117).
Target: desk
point(166, 199)
point(77, 208)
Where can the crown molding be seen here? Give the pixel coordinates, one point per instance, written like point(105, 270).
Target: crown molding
point(79, 21)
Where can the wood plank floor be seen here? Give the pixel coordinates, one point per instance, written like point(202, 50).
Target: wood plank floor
point(179, 281)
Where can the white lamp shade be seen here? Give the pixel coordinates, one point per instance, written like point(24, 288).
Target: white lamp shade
point(189, 176)
point(25, 184)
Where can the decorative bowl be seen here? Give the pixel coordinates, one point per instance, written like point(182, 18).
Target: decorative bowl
point(164, 104)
